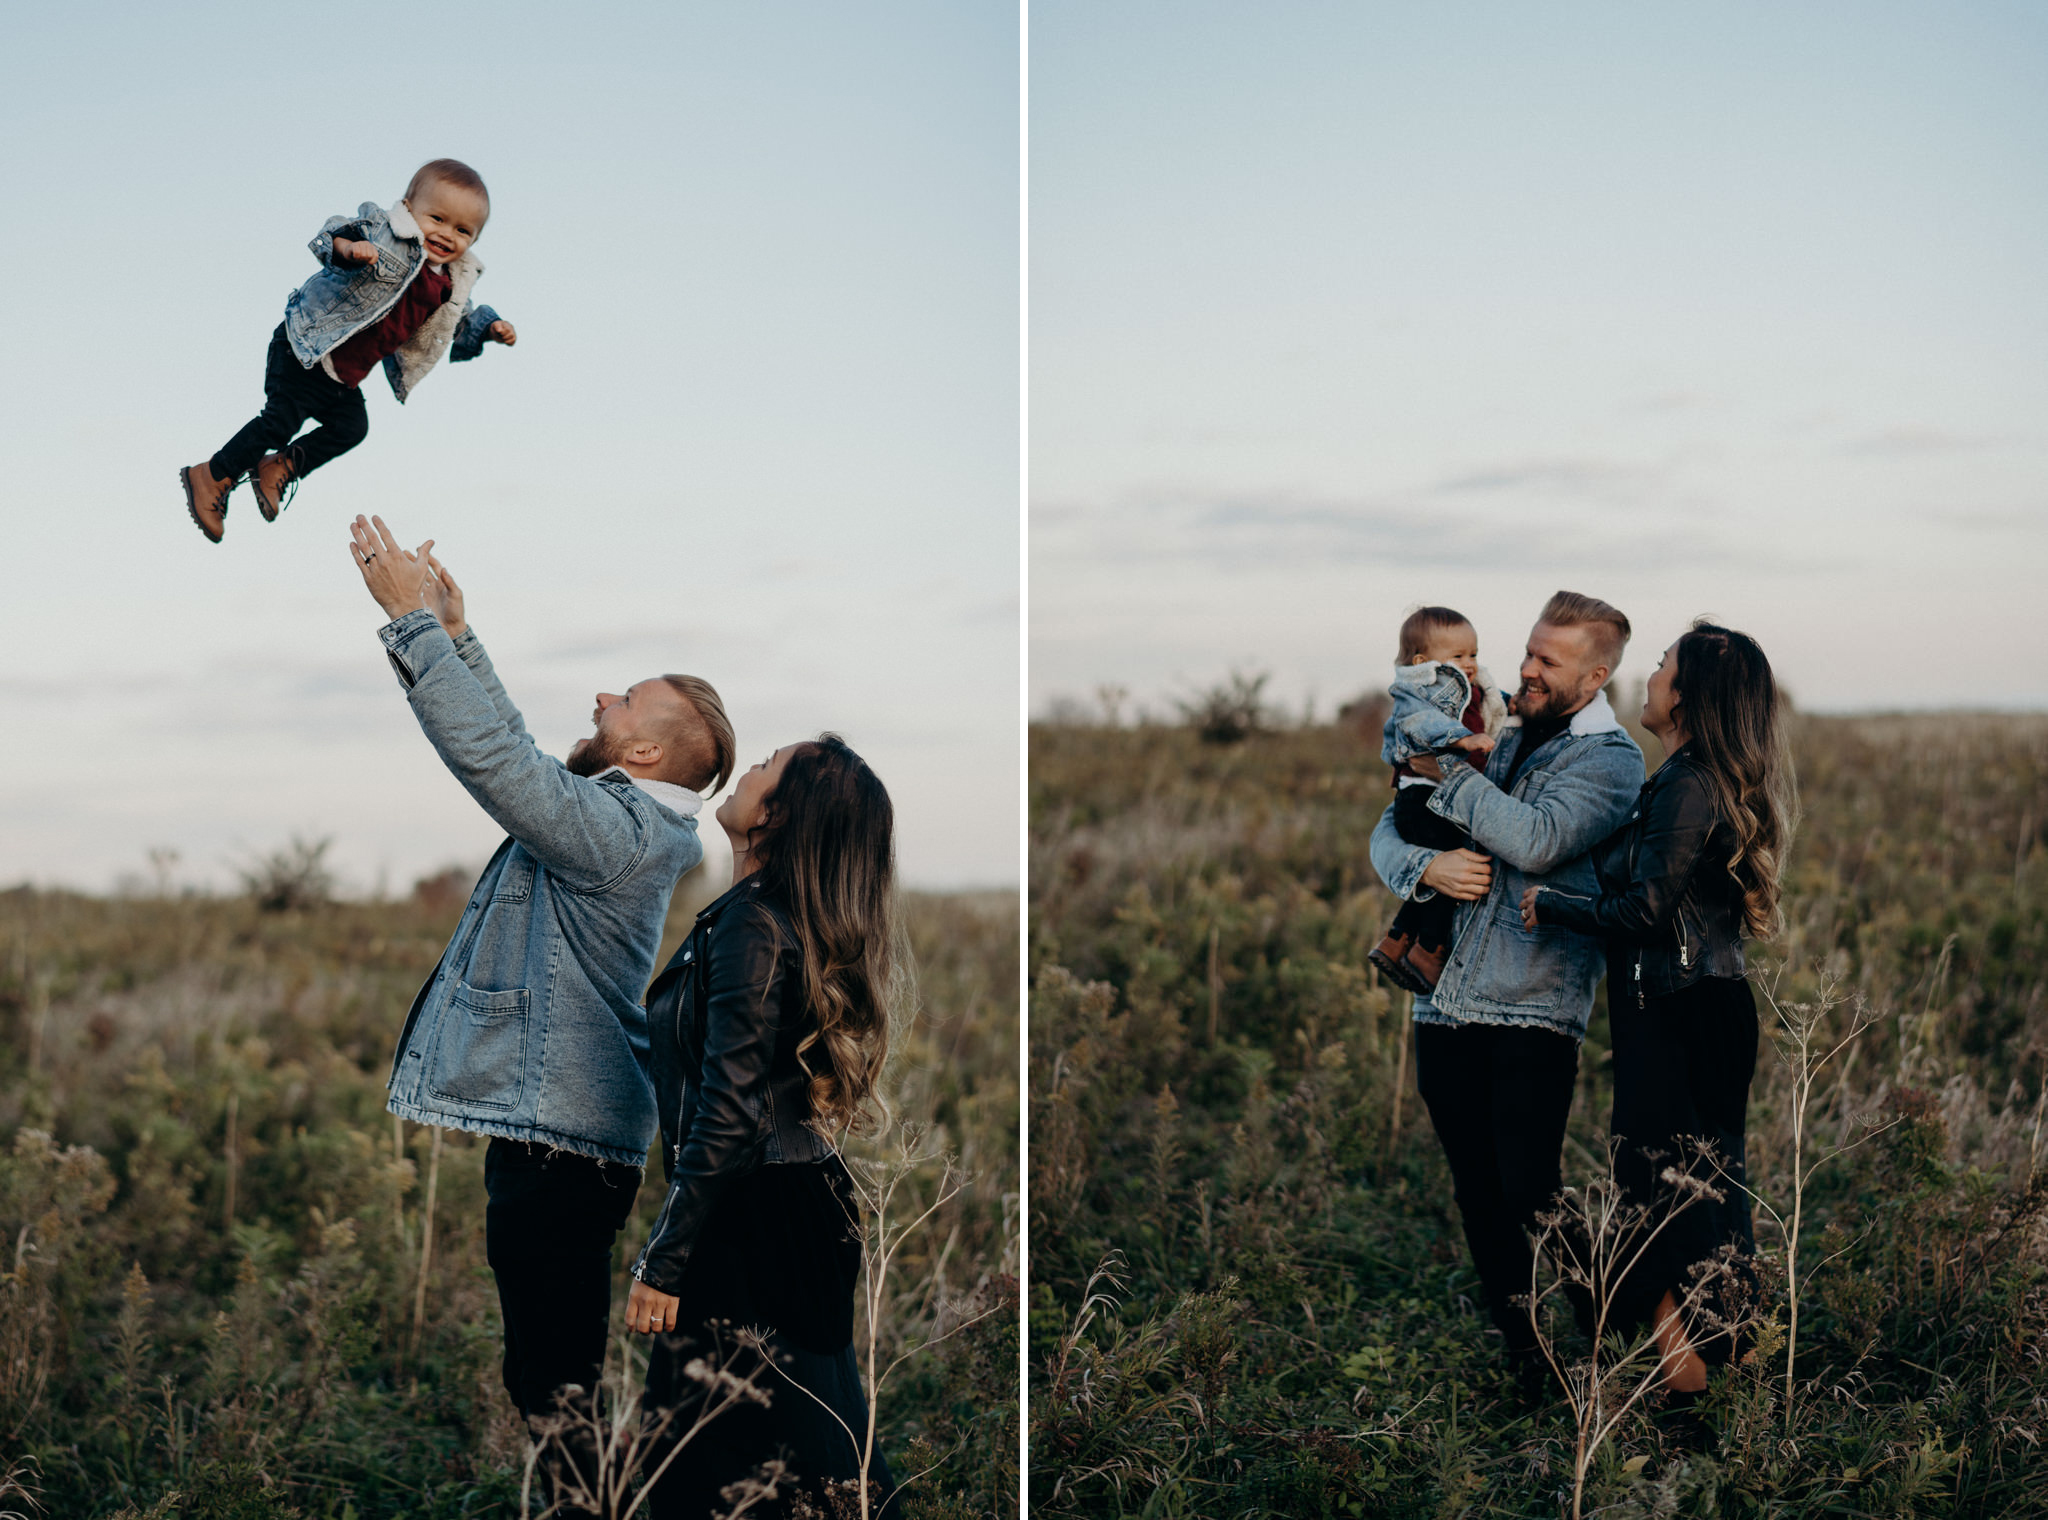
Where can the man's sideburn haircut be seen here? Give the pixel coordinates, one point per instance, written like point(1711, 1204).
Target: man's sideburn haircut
point(1574, 609)
point(705, 751)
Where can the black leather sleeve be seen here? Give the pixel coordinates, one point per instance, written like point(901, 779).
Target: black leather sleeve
point(743, 979)
point(1677, 820)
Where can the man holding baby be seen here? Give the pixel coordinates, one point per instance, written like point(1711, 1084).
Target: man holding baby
point(1497, 1040)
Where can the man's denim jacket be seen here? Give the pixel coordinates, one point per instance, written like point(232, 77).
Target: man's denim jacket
point(1574, 792)
point(343, 299)
point(531, 1026)
point(1428, 713)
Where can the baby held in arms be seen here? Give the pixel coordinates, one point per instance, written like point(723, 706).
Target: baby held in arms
point(1446, 709)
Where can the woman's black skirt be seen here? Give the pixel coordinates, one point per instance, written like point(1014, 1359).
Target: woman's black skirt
point(780, 1252)
point(1682, 1067)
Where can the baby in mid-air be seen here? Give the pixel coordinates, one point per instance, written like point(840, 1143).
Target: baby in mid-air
point(393, 290)
point(1446, 710)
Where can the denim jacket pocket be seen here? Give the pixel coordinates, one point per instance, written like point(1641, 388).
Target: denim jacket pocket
point(480, 1058)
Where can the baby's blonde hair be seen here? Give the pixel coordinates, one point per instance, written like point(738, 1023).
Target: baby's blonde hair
point(1420, 624)
point(449, 171)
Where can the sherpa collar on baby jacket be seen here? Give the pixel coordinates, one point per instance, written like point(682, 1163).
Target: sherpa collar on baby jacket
point(425, 348)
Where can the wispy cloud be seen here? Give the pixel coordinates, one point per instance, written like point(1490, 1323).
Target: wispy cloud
point(1549, 515)
point(1910, 438)
point(1588, 479)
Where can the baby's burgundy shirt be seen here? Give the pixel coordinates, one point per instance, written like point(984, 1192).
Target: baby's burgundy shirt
point(368, 348)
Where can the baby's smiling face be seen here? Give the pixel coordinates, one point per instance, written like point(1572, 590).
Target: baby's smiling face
point(1457, 646)
point(450, 217)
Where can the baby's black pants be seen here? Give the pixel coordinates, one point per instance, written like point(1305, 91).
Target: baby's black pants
point(1428, 921)
point(292, 394)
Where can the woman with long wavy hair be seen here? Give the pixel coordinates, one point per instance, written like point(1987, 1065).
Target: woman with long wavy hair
point(768, 1030)
point(1693, 871)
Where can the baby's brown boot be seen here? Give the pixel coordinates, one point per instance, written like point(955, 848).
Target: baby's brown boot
point(206, 499)
point(275, 482)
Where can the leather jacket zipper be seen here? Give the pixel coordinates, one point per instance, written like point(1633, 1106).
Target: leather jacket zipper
point(683, 988)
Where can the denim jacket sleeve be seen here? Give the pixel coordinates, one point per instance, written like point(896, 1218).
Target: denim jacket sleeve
point(470, 336)
point(587, 837)
point(1416, 725)
point(1581, 805)
point(743, 967)
point(1398, 863)
point(356, 228)
point(1678, 819)
point(469, 648)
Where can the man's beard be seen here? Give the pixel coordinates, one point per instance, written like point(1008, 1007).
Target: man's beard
point(594, 756)
point(1538, 705)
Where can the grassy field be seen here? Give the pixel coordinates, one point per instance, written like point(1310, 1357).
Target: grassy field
point(218, 1297)
point(1250, 1293)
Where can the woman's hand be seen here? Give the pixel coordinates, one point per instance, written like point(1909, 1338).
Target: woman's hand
point(1529, 907)
point(444, 598)
point(649, 1311)
point(1464, 874)
point(396, 577)
point(503, 332)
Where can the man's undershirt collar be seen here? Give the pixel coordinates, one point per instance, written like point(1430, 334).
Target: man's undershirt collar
point(677, 799)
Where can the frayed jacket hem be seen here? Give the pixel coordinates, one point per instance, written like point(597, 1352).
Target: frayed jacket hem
point(1432, 1015)
point(533, 1134)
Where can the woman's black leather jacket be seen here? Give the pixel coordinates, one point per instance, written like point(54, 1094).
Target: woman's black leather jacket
point(724, 1020)
point(1667, 905)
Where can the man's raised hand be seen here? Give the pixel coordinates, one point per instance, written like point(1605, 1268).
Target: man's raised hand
point(397, 578)
point(444, 597)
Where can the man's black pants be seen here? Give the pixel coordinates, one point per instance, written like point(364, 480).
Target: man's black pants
point(291, 394)
point(549, 1229)
point(1499, 1097)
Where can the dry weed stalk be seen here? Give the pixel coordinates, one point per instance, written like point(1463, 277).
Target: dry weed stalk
point(18, 1486)
point(596, 1459)
point(1076, 1379)
point(1593, 1240)
point(1801, 1031)
point(877, 1183)
point(419, 1301)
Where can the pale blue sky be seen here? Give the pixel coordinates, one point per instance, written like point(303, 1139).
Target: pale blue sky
point(761, 424)
point(1733, 309)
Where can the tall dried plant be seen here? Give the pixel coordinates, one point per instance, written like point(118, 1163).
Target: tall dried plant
point(1806, 1037)
point(1591, 1242)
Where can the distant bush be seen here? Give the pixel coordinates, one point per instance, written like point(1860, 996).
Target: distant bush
point(1230, 712)
point(291, 879)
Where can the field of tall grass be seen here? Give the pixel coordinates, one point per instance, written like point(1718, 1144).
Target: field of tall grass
point(231, 1285)
point(1250, 1292)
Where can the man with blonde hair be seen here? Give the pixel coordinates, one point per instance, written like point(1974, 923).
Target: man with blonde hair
point(530, 1031)
point(1497, 1042)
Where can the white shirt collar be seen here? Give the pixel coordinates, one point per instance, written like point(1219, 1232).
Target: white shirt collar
point(677, 799)
point(1596, 717)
